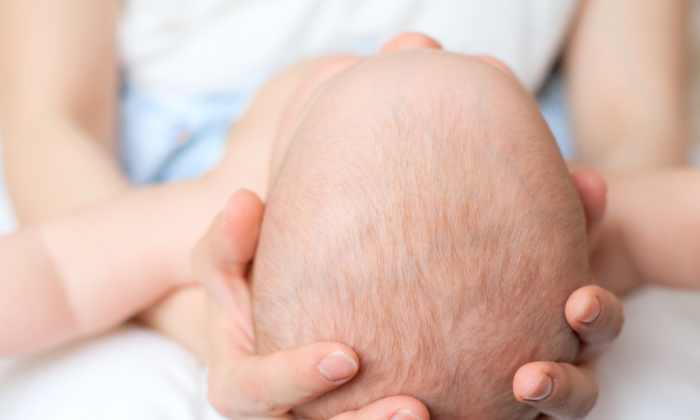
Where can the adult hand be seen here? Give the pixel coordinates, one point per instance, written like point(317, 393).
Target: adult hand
point(562, 390)
point(243, 385)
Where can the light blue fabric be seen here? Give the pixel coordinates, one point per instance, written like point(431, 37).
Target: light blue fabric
point(553, 106)
point(172, 138)
point(169, 138)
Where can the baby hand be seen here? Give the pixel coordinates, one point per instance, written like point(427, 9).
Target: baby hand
point(243, 385)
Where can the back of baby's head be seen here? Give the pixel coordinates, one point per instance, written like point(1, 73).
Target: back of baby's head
point(435, 231)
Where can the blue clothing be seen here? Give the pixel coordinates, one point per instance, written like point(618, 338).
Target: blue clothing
point(173, 139)
point(553, 108)
point(168, 138)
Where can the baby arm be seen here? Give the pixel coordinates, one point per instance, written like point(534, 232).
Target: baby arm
point(93, 269)
point(651, 232)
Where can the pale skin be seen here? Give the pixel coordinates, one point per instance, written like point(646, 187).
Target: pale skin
point(58, 131)
point(234, 355)
point(222, 258)
point(628, 114)
point(225, 272)
point(80, 307)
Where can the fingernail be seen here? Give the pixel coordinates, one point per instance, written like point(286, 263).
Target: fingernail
point(542, 389)
point(405, 414)
point(590, 311)
point(337, 366)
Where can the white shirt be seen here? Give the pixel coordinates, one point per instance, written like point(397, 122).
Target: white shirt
point(199, 47)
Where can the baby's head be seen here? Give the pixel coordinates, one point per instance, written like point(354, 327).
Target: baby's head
point(423, 216)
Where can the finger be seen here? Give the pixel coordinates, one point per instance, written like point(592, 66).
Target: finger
point(231, 333)
point(559, 390)
point(596, 315)
point(411, 41)
point(241, 227)
point(225, 251)
point(274, 384)
point(592, 191)
point(392, 408)
point(498, 64)
point(231, 240)
point(226, 289)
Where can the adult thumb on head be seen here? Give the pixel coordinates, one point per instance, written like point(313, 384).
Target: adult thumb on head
point(241, 227)
point(221, 258)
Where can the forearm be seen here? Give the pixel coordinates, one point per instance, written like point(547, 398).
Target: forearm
point(655, 220)
point(625, 70)
point(143, 237)
point(91, 270)
point(36, 310)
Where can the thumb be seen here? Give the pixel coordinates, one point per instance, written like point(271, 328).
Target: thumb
point(222, 257)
